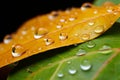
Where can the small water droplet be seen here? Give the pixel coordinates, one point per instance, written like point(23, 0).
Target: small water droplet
point(59, 26)
point(95, 12)
point(110, 9)
point(90, 44)
point(60, 75)
point(63, 36)
point(85, 65)
point(85, 6)
point(48, 41)
point(72, 71)
point(17, 50)
point(81, 52)
point(40, 33)
point(62, 20)
point(24, 32)
point(99, 29)
point(69, 62)
point(105, 49)
point(91, 23)
point(71, 19)
point(85, 37)
point(7, 39)
point(28, 70)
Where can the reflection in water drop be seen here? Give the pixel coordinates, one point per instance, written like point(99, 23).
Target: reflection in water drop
point(105, 49)
point(81, 52)
point(90, 44)
point(85, 65)
point(60, 75)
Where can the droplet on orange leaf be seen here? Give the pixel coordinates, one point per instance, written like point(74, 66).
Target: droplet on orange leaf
point(85, 6)
point(99, 29)
point(71, 19)
point(48, 41)
point(17, 50)
point(85, 37)
point(40, 33)
point(63, 36)
point(7, 39)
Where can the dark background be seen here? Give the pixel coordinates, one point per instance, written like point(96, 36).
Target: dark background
point(14, 13)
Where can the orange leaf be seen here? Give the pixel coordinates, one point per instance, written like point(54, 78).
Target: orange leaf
point(57, 29)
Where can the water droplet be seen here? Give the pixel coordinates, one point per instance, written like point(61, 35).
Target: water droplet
point(85, 37)
point(99, 29)
point(85, 6)
point(24, 32)
point(90, 44)
point(71, 19)
point(95, 12)
point(40, 33)
point(72, 71)
point(63, 36)
point(7, 39)
point(48, 41)
point(59, 26)
point(110, 9)
point(28, 70)
point(81, 52)
point(91, 23)
point(17, 50)
point(69, 62)
point(105, 49)
point(62, 20)
point(60, 75)
point(85, 65)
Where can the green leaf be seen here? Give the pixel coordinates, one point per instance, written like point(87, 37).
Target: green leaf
point(100, 56)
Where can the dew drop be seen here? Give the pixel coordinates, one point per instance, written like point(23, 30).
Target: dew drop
point(72, 71)
point(71, 19)
point(59, 26)
point(109, 9)
point(85, 65)
point(105, 49)
point(81, 52)
point(48, 41)
point(40, 33)
point(60, 75)
point(63, 36)
point(62, 20)
point(17, 50)
point(28, 70)
point(95, 12)
point(7, 39)
point(85, 6)
point(85, 37)
point(90, 44)
point(99, 29)
point(91, 23)
point(24, 32)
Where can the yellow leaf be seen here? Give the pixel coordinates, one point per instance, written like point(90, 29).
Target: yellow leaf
point(57, 29)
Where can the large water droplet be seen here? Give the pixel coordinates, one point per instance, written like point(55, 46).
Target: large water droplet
point(99, 29)
point(7, 39)
point(63, 36)
point(17, 50)
point(85, 65)
point(72, 71)
point(90, 44)
point(40, 33)
point(85, 37)
point(48, 41)
point(105, 49)
point(81, 52)
point(60, 75)
point(85, 6)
